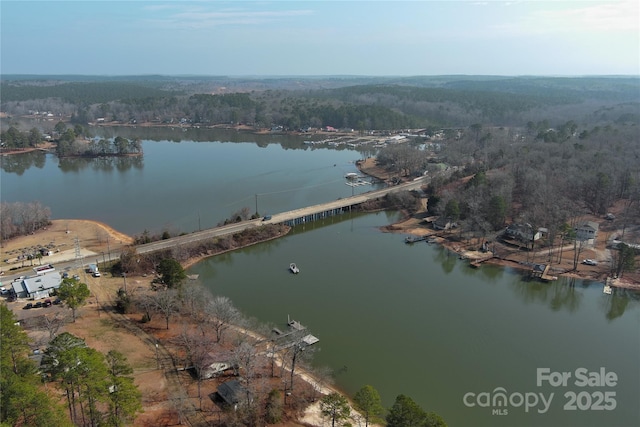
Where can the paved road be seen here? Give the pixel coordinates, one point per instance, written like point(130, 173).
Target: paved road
point(276, 218)
point(62, 263)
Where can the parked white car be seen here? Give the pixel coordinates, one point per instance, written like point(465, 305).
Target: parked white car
point(590, 262)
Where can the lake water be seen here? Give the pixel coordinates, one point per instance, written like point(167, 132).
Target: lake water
point(416, 320)
point(181, 186)
point(410, 319)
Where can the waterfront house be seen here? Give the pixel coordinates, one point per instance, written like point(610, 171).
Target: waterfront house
point(522, 232)
point(443, 223)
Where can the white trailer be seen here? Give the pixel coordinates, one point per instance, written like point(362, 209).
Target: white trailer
point(93, 269)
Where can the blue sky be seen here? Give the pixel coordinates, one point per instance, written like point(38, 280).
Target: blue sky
point(242, 38)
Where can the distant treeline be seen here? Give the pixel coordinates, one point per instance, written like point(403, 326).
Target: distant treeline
point(361, 104)
point(71, 142)
point(79, 93)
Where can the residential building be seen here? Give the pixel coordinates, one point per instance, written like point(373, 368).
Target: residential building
point(232, 392)
point(522, 232)
point(587, 231)
point(443, 223)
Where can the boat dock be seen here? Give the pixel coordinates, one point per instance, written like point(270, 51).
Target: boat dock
point(294, 324)
point(541, 271)
point(414, 239)
point(357, 183)
point(546, 276)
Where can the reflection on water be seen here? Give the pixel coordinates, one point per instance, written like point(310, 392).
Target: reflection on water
point(206, 182)
point(410, 319)
point(19, 163)
point(617, 303)
point(560, 294)
point(446, 258)
point(101, 164)
point(415, 319)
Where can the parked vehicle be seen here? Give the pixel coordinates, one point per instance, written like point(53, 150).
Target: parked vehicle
point(57, 301)
point(39, 304)
point(28, 306)
point(47, 303)
point(93, 269)
point(590, 262)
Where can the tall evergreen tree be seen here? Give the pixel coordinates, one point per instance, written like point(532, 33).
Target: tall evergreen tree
point(369, 403)
point(74, 294)
point(336, 407)
point(124, 398)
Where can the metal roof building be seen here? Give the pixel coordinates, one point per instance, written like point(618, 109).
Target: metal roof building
point(37, 287)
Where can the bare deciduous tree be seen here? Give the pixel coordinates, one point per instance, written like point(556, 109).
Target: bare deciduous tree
point(198, 350)
point(167, 303)
point(248, 359)
point(296, 351)
point(53, 323)
point(221, 314)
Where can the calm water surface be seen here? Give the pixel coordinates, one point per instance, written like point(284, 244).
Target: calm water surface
point(405, 319)
point(414, 319)
point(180, 187)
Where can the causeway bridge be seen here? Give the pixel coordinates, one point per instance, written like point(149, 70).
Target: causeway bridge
point(293, 217)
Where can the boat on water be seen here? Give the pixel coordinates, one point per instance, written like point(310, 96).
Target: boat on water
point(294, 268)
point(607, 289)
point(352, 176)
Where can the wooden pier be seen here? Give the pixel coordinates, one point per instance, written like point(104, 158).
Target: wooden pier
point(294, 324)
point(414, 239)
point(546, 277)
point(357, 183)
point(541, 271)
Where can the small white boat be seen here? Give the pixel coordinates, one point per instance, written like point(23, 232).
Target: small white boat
point(294, 268)
point(351, 176)
point(607, 289)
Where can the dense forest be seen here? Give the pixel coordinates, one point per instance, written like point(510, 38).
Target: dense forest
point(380, 103)
point(540, 150)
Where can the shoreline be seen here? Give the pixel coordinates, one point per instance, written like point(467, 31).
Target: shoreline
point(311, 415)
point(411, 226)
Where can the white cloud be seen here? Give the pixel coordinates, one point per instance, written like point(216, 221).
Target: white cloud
point(199, 17)
point(572, 17)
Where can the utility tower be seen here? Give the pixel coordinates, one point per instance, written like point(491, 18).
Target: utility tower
point(78, 253)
